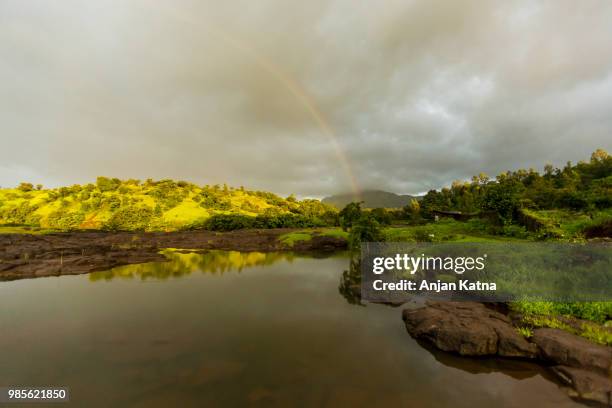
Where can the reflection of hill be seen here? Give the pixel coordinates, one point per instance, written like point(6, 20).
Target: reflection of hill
point(213, 262)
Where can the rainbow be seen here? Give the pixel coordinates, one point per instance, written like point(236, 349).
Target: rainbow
point(283, 78)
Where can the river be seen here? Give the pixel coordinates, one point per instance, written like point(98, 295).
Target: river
point(238, 329)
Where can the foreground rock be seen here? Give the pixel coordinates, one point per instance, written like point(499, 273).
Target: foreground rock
point(29, 256)
point(467, 328)
point(472, 329)
point(580, 364)
point(561, 347)
point(585, 385)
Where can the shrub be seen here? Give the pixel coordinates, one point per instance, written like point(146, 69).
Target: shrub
point(229, 222)
point(106, 184)
point(349, 215)
point(516, 231)
point(25, 187)
point(61, 219)
point(21, 214)
point(595, 311)
point(365, 229)
point(382, 216)
point(130, 218)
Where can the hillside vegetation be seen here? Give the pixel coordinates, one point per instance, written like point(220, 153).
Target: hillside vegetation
point(574, 200)
point(164, 205)
point(568, 203)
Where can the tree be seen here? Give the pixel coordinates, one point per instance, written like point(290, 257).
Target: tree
point(349, 214)
point(381, 216)
point(25, 187)
point(365, 229)
point(39, 187)
point(433, 200)
point(503, 198)
point(412, 210)
point(599, 155)
point(106, 184)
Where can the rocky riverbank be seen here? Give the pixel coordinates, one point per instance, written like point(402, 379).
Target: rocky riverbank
point(476, 330)
point(30, 256)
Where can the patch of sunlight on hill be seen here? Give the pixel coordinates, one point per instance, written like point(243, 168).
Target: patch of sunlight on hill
point(248, 204)
point(187, 210)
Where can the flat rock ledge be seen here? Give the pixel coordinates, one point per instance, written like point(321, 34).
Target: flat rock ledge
point(467, 328)
point(472, 329)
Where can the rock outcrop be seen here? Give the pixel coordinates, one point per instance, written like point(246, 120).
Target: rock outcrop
point(473, 329)
point(583, 366)
point(467, 328)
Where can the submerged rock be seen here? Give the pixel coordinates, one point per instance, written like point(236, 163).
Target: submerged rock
point(582, 365)
point(563, 348)
point(467, 328)
point(473, 329)
point(586, 386)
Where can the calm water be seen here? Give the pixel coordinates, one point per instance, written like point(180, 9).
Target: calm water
point(232, 329)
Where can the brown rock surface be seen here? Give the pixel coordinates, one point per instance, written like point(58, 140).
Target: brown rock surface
point(30, 256)
point(563, 348)
point(467, 328)
point(586, 386)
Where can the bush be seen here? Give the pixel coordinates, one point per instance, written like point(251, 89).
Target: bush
point(287, 220)
point(25, 187)
point(130, 218)
point(106, 184)
point(515, 231)
point(21, 214)
point(61, 219)
point(365, 229)
point(228, 222)
point(231, 222)
point(349, 215)
point(382, 216)
point(595, 311)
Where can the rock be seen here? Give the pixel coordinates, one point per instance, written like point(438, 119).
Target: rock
point(563, 348)
point(467, 328)
point(29, 256)
point(587, 386)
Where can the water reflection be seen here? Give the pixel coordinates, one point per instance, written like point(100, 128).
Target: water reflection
point(185, 263)
point(279, 335)
point(350, 282)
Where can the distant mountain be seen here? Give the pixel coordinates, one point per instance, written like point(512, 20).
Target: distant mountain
point(371, 199)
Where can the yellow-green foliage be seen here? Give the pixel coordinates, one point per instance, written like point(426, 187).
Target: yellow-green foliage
point(597, 334)
point(291, 238)
point(547, 314)
point(525, 331)
point(211, 262)
point(153, 205)
point(334, 232)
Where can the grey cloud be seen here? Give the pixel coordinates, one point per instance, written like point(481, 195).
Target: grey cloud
point(416, 93)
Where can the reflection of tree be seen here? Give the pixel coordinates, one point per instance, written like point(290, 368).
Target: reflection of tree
point(350, 283)
point(181, 264)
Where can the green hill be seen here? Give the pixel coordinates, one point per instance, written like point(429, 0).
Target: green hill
point(370, 198)
point(114, 204)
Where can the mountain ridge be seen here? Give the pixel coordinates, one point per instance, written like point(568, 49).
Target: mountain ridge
point(371, 199)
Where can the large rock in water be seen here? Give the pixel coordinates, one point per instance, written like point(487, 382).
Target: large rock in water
point(584, 366)
point(586, 386)
point(563, 348)
point(467, 328)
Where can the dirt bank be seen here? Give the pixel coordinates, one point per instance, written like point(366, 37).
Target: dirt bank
point(30, 256)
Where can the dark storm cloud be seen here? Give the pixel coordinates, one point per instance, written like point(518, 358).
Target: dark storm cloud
point(415, 93)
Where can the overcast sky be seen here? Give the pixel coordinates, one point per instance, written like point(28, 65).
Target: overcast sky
point(295, 96)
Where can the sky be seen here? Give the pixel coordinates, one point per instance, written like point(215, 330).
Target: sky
point(311, 97)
